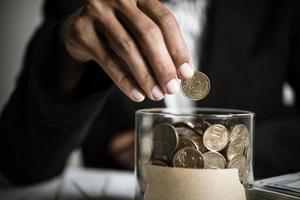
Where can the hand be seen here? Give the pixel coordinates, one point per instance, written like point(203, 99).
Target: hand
point(122, 149)
point(138, 43)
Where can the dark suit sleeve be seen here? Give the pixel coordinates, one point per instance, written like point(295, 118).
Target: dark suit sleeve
point(37, 132)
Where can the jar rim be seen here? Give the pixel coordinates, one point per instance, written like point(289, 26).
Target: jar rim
point(195, 112)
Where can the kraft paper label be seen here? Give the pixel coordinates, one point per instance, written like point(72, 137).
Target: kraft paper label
point(165, 183)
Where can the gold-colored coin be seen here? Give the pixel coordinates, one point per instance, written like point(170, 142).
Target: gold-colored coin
point(238, 162)
point(189, 138)
point(199, 141)
point(197, 87)
point(184, 124)
point(215, 137)
point(185, 131)
point(159, 163)
point(213, 160)
point(185, 141)
point(188, 158)
point(239, 131)
point(235, 147)
point(165, 141)
point(239, 139)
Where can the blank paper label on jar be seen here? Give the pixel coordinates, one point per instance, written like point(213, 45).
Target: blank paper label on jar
point(193, 184)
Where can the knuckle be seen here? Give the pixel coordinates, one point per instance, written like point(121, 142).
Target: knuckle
point(166, 18)
point(108, 61)
point(151, 30)
point(180, 51)
point(126, 44)
point(146, 78)
point(89, 8)
point(166, 69)
point(78, 28)
point(123, 80)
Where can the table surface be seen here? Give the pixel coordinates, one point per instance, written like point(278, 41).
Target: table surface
point(78, 184)
point(81, 184)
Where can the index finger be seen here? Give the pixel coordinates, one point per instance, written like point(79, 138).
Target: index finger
point(172, 35)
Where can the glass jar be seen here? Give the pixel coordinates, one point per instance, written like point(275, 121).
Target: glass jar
point(198, 153)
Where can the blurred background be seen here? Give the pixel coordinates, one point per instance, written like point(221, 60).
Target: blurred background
point(18, 20)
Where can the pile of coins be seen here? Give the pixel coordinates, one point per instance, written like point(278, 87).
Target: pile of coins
point(201, 146)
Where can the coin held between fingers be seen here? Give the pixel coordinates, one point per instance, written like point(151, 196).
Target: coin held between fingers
point(197, 87)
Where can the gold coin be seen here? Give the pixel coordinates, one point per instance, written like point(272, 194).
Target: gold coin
point(188, 158)
point(238, 162)
point(184, 124)
point(185, 141)
point(199, 142)
point(239, 131)
point(197, 87)
point(165, 141)
point(235, 147)
point(213, 160)
point(159, 163)
point(215, 137)
point(239, 139)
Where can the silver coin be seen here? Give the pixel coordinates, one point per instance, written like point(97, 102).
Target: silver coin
point(165, 141)
point(215, 137)
point(197, 87)
point(188, 158)
point(213, 160)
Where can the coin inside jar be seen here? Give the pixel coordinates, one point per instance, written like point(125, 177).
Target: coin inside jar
point(235, 147)
point(215, 137)
point(197, 87)
point(239, 131)
point(213, 160)
point(184, 124)
point(159, 163)
point(165, 141)
point(238, 162)
point(185, 141)
point(188, 158)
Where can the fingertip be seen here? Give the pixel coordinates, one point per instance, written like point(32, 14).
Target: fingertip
point(186, 71)
point(172, 86)
point(157, 94)
point(137, 96)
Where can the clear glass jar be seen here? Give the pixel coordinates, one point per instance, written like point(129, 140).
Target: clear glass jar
point(193, 151)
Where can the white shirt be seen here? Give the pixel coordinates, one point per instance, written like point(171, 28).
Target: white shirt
point(191, 17)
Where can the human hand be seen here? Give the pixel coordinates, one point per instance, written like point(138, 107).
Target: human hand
point(121, 149)
point(138, 43)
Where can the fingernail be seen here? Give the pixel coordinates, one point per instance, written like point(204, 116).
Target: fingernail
point(172, 86)
point(137, 96)
point(186, 70)
point(157, 93)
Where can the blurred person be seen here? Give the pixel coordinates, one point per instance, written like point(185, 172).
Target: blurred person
point(65, 96)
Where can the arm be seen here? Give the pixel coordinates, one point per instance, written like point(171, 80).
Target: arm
point(38, 130)
point(137, 43)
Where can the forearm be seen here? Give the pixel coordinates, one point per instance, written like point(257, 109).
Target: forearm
point(39, 130)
